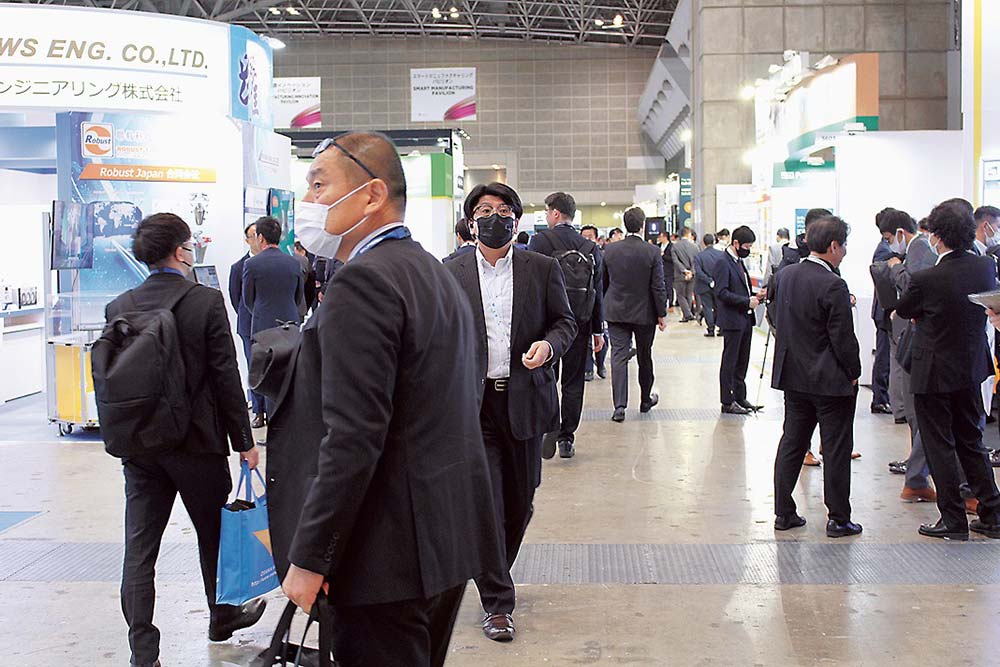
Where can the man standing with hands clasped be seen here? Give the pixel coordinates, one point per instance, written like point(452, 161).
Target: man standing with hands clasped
point(817, 363)
point(523, 324)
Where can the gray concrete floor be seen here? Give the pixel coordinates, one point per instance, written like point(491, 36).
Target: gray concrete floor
point(683, 476)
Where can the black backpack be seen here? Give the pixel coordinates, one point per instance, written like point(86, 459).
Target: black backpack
point(139, 381)
point(578, 269)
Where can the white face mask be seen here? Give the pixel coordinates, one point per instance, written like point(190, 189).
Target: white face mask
point(994, 239)
point(310, 226)
point(898, 244)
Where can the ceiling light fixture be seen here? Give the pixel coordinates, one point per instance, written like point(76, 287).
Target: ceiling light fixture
point(292, 10)
point(619, 20)
point(599, 22)
point(604, 203)
point(274, 43)
point(436, 13)
point(686, 135)
point(454, 15)
point(748, 92)
point(495, 167)
point(275, 11)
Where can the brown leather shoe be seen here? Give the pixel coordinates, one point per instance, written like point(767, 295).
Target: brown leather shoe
point(971, 506)
point(810, 460)
point(499, 627)
point(855, 455)
point(927, 495)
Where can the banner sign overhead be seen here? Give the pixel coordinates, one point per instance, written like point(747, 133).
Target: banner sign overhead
point(297, 102)
point(443, 94)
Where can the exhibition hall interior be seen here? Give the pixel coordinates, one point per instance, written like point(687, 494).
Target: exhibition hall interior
point(499, 332)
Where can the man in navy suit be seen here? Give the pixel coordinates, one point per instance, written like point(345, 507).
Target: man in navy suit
point(466, 241)
point(736, 303)
point(704, 283)
point(242, 312)
point(272, 286)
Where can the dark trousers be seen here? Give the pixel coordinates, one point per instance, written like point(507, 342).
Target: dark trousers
point(151, 484)
point(413, 633)
point(571, 369)
point(668, 279)
point(707, 301)
point(880, 368)
point(599, 357)
point(515, 473)
point(621, 344)
point(835, 416)
point(952, 425)
point(735, 361)
point(256, 400)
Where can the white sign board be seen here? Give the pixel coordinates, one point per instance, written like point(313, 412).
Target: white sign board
point(443, 94)
point(83, 59)
point(297, 102)
point(735, 205)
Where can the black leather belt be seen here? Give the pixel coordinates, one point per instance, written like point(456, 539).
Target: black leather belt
point(499, 384)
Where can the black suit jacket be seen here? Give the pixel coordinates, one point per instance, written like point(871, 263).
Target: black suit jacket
point(571, 238)
point(704, 269)
point(272, 288)
point(459, 251)
point(540, 311)
point(236, 296)
point(401, 507)
point(634, 290)
point(213, 386)
point(950, 350)
point(816, 350)
point(732, 296)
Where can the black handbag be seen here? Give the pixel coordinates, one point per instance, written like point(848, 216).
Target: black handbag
point(284, 652)
point(904, 349)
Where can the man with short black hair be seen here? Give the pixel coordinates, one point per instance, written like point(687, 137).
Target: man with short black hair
point(776, 252)
point(817, 364)
point(987, 228)
point(881, 403)
point(737, 304)
point(597, 359)
point(273, 286)
point(666, 243)
point(635, 302)
point(722, 238)
point(615, 235)
point(465, 242)
point(684, 251)
point(583, 271)
point(243, 315)
point(704, 286)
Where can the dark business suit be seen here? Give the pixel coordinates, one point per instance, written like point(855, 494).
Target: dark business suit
point(736, 319)
point(704, 283)
point(950, 361)
point(880, 368)
point(816, 363)
point(198, 469)
point(635, 297)
point(515, 419)
point(459, 251)
point(572, 367)
point(400, 515)
point(683, 252)
point(243, 317)
point(668, 273)
point(272, 288)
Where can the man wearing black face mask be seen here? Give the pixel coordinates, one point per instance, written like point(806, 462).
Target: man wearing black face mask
point(736, 304)
point(524, 324)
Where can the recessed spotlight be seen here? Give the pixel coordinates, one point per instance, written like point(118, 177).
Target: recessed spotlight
point(619, 20)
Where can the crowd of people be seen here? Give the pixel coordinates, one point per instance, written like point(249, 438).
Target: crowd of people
point(407, 434)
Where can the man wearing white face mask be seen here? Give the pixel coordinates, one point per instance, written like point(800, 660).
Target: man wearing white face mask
point(400, 515)
point(987, 228)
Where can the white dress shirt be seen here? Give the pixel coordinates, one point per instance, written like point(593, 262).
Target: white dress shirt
point(496, 286)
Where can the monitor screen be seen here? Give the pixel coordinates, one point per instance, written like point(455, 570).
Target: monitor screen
point(207, 276)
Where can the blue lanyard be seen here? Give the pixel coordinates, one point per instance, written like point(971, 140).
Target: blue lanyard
point(166, 270)
point(400, 232)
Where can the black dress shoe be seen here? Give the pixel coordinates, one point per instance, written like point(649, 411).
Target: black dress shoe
point(227, 619)
point(499, 627)
point(995, 458)
point(735, 409)
point(259, 421)
point(846, 529)
point(566, 449)
point(709, 334)
point(789, 521)
point(632, 354)
point(897, 467)
point(899, 420)
point(649, 404)
point(619, 415)
point(940, 530)
point(750, 406)
point(549, 445)
point(588, 376)
point(881, 409)
point(602, 372)
point(990, 530)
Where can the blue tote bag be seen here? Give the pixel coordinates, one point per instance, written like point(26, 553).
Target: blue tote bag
point(246, 567)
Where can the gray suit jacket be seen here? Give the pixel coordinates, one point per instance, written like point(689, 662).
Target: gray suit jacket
point(684, 252)
point(919, 256)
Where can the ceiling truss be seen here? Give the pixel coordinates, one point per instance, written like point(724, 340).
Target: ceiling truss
point(642, 23)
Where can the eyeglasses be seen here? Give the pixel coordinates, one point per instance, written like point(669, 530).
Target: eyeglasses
point(330, 141)
point(187, 247)
point(485, 211)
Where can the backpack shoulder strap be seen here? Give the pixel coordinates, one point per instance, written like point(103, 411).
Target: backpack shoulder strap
point(179, 294)
point(557, 243)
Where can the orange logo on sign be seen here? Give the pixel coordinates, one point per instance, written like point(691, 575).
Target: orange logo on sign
point(97, 139)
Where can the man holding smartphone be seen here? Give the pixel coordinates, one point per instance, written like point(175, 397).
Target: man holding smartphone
point(736, 305)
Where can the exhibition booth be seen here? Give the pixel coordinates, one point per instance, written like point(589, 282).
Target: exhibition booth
point(139, 113)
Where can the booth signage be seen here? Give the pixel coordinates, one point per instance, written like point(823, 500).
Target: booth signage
point(443, 94)
point(685, 205)
point(297, 102)
point(251, 70)
point(69, 57)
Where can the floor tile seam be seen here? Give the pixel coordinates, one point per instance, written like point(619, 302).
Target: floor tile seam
point(46, 554)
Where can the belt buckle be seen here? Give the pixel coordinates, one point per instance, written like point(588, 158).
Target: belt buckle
point(501, 384)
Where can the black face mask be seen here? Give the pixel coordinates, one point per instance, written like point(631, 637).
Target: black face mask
point(743, 252)
point(495, 231)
